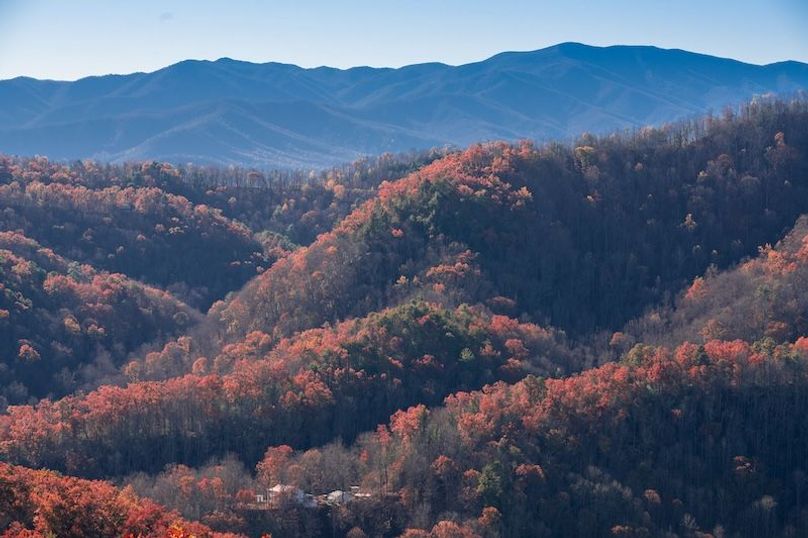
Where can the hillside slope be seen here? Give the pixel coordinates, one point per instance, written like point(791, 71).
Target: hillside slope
point(65, 325)
point(36, 504)
point(662, 441)
point(582, 238)
point(448, 345)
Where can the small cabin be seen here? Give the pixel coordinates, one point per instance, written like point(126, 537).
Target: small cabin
point(338, 497)
point(294, 494)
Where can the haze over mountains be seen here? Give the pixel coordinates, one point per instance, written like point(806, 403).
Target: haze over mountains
point(277, 115)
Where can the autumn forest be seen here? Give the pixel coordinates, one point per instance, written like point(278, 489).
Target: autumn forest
point(602, 337)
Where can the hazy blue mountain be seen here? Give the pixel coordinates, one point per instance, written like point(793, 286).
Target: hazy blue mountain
point(278, 115)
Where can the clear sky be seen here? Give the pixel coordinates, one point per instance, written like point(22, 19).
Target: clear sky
point(67, 39)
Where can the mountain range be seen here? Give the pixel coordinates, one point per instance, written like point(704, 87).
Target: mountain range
point(283, 116)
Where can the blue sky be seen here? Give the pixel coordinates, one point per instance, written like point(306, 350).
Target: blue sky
point(67, 39)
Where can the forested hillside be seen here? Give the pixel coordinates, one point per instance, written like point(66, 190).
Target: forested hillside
point(615, 224)
point(318, 386)
point(41, 503)
point(66, 325)
point(199, 233)
point(695, 438)
point(607, 338)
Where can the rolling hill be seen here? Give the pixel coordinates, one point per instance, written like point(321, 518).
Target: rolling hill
point(604, 338)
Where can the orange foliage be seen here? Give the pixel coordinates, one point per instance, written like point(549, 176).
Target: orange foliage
point(42, 503)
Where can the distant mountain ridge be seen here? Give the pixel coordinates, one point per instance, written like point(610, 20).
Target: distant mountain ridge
point(279, 115)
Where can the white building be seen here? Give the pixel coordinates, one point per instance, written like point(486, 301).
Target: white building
point(280, 492)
